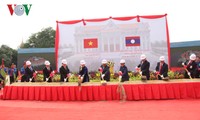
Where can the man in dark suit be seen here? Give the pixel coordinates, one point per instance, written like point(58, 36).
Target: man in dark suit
point(83, 73)
point(144, 67)
point(190, 66)
point(124, 71)
point(47, 72)
point(105, 71)
point(162, 68)
point(64, 72)
point(30, 72)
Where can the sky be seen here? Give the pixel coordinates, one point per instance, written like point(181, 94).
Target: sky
point(183, 16)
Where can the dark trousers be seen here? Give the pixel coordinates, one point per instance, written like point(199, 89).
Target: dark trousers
point(23, 79)
point(192, 74)
point(12, 80)
point(197, 74)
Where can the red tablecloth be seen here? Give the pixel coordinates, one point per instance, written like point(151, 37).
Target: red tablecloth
point(108, 92)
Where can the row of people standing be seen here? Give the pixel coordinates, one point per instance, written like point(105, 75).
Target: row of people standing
point(161, 70)
point(192, 68)
point(143, 68)
point(12, 72)
point(28, 74)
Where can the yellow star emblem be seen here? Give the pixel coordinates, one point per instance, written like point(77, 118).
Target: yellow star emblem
point(90, 43)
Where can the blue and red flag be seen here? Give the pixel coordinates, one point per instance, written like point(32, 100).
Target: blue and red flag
point(132, 41)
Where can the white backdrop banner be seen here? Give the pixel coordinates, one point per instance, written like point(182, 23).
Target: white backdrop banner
point(112, 39)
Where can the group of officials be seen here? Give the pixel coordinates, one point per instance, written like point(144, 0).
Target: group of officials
point(192, 70)
point(28, 74)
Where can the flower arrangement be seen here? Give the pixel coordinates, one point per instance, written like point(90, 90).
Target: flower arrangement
point(111, 65)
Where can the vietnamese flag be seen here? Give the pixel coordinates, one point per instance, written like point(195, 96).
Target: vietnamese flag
point(91, 43)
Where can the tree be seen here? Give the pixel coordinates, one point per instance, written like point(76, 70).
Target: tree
point(43, 39)
point(8, 54)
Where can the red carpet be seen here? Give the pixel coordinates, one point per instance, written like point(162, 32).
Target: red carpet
point(101, 110)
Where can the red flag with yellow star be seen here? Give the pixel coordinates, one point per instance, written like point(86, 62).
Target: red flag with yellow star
point(91, 43)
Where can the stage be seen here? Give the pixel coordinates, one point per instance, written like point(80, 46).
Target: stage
point(135, 90)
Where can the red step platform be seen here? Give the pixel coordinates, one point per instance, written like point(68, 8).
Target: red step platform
point(134, 91)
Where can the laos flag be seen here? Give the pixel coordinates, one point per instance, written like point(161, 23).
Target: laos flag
point(132, 41)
